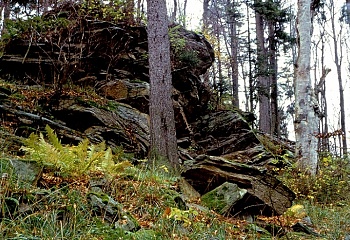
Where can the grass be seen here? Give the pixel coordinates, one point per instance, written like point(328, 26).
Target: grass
point(65, 213)
point(147, 194)
point(331, 222)
point(58, 207)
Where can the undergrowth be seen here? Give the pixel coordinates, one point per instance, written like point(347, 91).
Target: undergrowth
point(330, 185)
point(57, 205)
point(70, 160)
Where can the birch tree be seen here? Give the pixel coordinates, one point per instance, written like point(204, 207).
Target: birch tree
point(162, 121)
point(306, 122)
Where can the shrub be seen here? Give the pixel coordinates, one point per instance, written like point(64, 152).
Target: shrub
point(329, 185)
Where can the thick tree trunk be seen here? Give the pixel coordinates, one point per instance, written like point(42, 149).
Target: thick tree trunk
point(306, 123)
point(347, 3)
point(162, 123)
point(263, 79)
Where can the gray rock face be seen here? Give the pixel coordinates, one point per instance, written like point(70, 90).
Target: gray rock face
point(223, 198)
point(27, 172)
point(112, 211)
point(113, 59)
point(265, 193)
point(122, 125)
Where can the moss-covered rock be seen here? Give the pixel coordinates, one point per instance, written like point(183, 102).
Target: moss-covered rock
point(222, 198)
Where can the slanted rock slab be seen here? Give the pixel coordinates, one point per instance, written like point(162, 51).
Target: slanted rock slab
point(265, 193)
point(222, 198)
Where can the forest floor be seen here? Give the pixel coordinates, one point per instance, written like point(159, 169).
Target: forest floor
point(57, 207)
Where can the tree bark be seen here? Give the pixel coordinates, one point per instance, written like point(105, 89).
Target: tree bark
point(263, 79)
point(275, 123)
point(5, 6)
point(174, 13)
point(234, 55)
point(250, 74)
point(162, 123)
point(205, 23)
point(338, 63)
point(305, 117)
point(184, 14)
point(347, 8)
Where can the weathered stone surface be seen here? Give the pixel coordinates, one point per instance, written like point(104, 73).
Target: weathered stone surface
point(28, 172)
point(265, 193)
point(123, 89)
point(112, 57)
point(122, 126)
point(188, 192)
point(223, 198)
point(112, 211)
point(223, 132)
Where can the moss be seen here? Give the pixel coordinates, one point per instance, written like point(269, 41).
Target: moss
point(214, 202)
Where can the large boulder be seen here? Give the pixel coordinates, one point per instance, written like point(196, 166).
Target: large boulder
point(265, 193)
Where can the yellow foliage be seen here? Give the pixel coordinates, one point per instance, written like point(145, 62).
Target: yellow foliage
point(72, 160)
point(296, 211)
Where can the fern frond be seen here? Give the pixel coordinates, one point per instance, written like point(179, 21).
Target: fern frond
point(120, 167)
point(31, 141)
point(73, 160)
point(82, 149)
point(53, 139)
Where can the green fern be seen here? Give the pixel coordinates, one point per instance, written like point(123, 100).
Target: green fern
point(71, 160)
point(53, 139)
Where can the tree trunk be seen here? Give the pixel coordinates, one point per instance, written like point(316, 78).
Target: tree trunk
point(174, 13)
point(347, 8)
point(205, 16)
point(5, 6)
point(305, 117)
point(234, 56)
point(205, 23)
point(338, 63)
point(138, 12)
point(251, 85)
point(321, 92)
point(162, 122)
point(221, 77)
point(275, 123)
point(184, 14)
point(263, 79)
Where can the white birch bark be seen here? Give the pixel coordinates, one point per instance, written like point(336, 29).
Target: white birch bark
point(306, 122)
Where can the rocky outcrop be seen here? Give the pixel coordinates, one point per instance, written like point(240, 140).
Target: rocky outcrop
point(110, 60)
